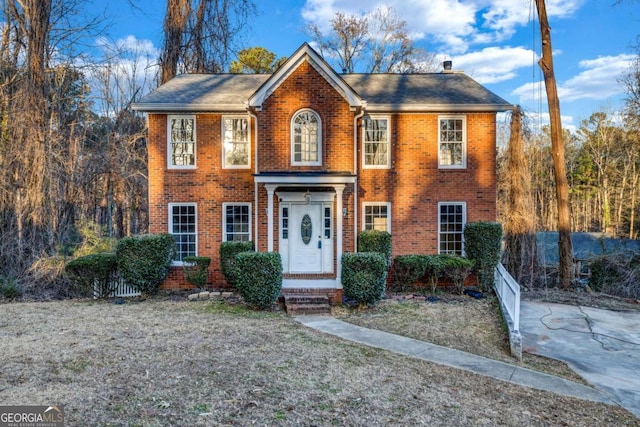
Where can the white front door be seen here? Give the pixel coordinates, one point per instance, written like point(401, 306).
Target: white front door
point(306, 238)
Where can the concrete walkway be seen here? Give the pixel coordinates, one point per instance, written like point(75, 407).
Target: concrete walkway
point(602, 346)
point(453, 358)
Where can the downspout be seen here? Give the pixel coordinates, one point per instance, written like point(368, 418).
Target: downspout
point(255, 184)
point(355, 173)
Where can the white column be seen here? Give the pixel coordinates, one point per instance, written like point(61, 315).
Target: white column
point(270, 190)
point(339, 190)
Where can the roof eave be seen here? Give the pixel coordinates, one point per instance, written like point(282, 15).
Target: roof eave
point(162, 107)
point(440, 107)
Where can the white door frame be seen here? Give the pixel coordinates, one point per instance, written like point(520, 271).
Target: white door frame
point(337, 182)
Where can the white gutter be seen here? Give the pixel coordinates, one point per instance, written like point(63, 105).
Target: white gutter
point(355, 174)
point(255, 183)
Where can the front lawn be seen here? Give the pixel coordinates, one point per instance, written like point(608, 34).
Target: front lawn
point(157, 363)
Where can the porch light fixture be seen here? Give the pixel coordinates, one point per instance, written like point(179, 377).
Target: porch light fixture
point(307, 197)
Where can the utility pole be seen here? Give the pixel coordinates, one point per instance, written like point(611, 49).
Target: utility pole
point(565, 248)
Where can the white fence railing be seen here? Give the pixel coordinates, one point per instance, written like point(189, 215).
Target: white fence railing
point(121, 290)
point(508, 292)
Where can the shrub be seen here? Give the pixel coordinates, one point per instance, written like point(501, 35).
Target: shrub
point(376, 241)
point(482, 244)
point(259, 278)
point(228, 252)
point(94, 274)
point(364, 275)
point(433, 268)
point(196, 270)
point(407, 269)
point(144, 261)
point(457, 269)
point(616, 274)
point(8, 287)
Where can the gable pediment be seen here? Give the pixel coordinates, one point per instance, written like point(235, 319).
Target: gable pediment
point(305, 54)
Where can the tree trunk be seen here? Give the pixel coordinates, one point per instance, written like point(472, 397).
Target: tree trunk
point(565, 248)
point(175, 23)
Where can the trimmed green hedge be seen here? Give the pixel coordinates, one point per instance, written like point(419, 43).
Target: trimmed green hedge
point(144, 261)
point(407, 269)
point(434, 266)
point(364, 275)
point(483, 244)
point(259, 278)
point(93, 274)
point(196, 270)
point(228, 252)
point(376, 241)
point(457, 269)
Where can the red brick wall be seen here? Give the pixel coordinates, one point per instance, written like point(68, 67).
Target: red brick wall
point(209, 185)
point(414, 185)
point(305, 88)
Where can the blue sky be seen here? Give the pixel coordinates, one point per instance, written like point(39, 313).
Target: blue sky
point(497, 42)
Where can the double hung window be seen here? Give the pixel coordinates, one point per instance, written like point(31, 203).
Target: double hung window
point(183, 226)
point(235, 142)
point(236, 222)
point(452, 145)
point(451, 220)
point(377, 216)
point(181, 147)
point(376, 142)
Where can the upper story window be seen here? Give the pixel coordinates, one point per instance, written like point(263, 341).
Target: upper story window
point(306, 139)
point(452, 142)
point(235, 142)
point(182, 142)
point(375, 142)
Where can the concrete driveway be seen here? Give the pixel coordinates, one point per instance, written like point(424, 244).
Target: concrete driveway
point(602, 346)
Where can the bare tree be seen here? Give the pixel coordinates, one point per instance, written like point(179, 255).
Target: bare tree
point(201, 36)
point(380, 39)
point(347, 41)
point(520, 253)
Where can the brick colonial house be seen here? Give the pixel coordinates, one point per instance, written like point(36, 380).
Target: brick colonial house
point(301, 160)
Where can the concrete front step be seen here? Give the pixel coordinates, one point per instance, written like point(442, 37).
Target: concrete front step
point(306, 304)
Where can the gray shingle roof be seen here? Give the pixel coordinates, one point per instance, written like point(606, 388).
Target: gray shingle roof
point(434, 91)
point(449, 91)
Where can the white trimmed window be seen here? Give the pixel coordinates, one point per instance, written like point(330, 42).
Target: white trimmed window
point(235, 142)
point(236, 222)
point(451, 220)
point(306, 139)
point(181, 146)
point(375, 141)
point(376, 216)
point(183, 225)
point(452, 142)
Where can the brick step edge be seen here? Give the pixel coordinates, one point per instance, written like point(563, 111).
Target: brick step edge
point(295, 309)
point(311, 299)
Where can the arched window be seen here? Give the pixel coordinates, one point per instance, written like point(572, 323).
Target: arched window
point(306, 142)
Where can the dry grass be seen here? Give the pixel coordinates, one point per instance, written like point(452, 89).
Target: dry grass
point(161, 363)
point(459, 322)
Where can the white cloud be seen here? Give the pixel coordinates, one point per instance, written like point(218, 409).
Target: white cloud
point(494, 64)
point(454, 24)
point(598, 81)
